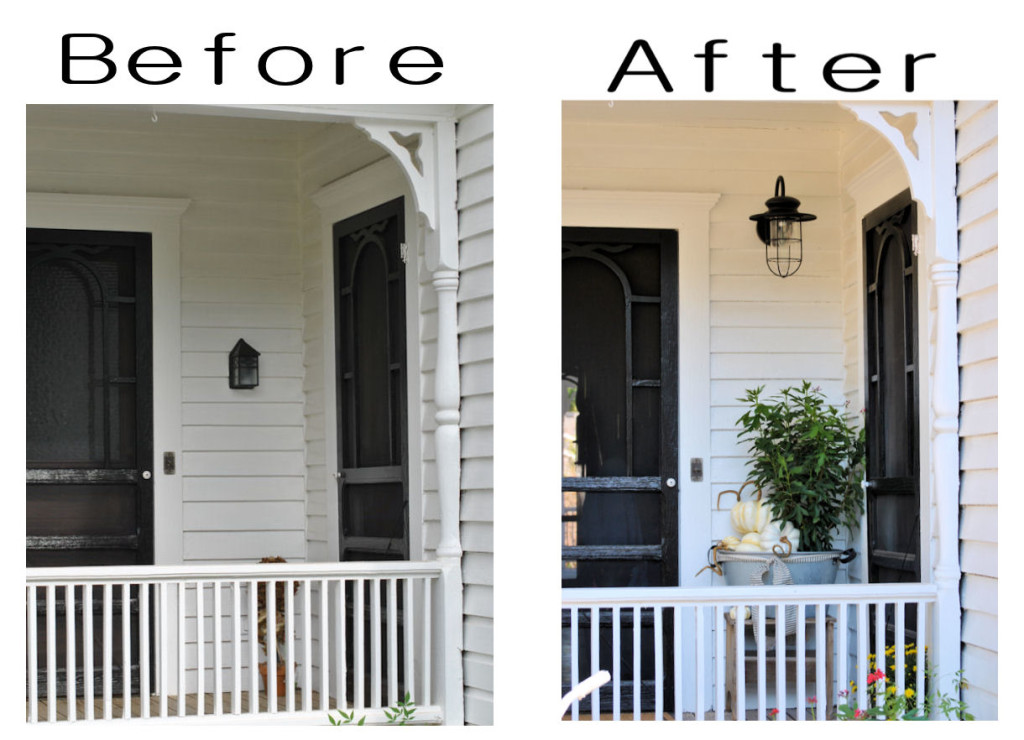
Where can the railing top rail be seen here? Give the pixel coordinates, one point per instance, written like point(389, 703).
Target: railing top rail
point(232, 571)
point(839, 593)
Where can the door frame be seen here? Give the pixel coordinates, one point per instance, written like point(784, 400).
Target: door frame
point(349, 196)
point(161, 218)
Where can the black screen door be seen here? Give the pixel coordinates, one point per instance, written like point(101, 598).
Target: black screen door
point(89, 497)
point(620, 426)
point(891, 412)
point(371, 385)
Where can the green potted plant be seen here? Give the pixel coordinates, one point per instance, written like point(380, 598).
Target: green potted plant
point(806, 461)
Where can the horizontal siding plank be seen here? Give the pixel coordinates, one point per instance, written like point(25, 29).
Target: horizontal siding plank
point(250, 516)
point(781, 314)
point(763, 366)
point(216, 438)
point(244, 414)
point(979, 558)
point(773, 340)
point(275, 463)
point(980, 237)
point(243, 546)
point(979, 487)
point(979, 380)
point(979, 594)
point(243, 488)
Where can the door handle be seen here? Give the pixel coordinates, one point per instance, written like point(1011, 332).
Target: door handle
point(670, 482)
point(146, 475)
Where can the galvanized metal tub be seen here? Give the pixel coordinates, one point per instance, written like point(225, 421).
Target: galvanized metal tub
point(740, 568)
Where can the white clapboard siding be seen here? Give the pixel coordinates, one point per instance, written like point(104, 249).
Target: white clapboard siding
point(475, 171)
point(977, 290)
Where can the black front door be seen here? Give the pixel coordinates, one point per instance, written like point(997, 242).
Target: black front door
point(620, 427)
point(369, 273)
point(891, 410)
point(89, 390)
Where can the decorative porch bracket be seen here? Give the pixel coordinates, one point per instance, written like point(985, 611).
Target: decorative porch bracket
point(924, 136)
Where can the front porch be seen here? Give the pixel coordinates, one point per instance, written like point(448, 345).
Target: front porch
point(681, 665)
point(360, 635)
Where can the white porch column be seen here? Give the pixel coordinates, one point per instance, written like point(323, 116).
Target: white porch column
point(946, 395)
point(924, 136)
point(426, 152)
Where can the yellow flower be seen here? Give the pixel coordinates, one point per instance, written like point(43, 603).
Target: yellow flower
point(909, 693)
point(892, 689)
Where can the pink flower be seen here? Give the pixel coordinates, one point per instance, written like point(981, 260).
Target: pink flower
point(813, 700)
point(858, 714)
point(878, 675)
point(773, 713)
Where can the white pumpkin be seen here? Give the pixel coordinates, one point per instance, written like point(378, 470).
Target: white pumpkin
point(750, 516)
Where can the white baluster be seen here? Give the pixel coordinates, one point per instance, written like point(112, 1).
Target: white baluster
point(289, 641)
point(325, 647)
point(107, 651)
point(254, 673)
point(574, 656)
point(616, 664)
point(409, 631)
point(739, 700)
point(392, 622)
point(427, 635)
point(70, 674)
point(144, 688)
point(762, 661)
point(31, 617)
point(719, 668)
point(780, 661)
point(218, 656)
point(901, 638)
point(801, 662)
point(271, 602)
point(862, 655)
point(307, 649)
point(595, 661)
point(822, 658)
point(842, 653)
point(236, 650)
point(88, 643)
point(677, 660)
point(375, 643)
point(880, 648)
point(359, 663)
point(51, 654)
point(659, 666)
point(200, 649)
point(126, 650)
point(182, 595)
point(636, 663)
point(162, 619)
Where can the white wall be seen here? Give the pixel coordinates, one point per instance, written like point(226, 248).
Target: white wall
point(977, 148)
point(474, 140)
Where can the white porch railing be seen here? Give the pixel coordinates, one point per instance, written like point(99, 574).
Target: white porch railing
point(679, 652)
point(128, 642)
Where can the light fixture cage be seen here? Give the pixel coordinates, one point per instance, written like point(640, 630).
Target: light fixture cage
point(780, 228)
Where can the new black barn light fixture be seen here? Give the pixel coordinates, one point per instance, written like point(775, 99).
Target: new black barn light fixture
point(781, 230)
point(243, 366)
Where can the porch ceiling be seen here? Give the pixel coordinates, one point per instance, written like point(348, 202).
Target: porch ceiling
point(713, 114)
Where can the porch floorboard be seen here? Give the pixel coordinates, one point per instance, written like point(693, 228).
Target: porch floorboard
point(667, 716)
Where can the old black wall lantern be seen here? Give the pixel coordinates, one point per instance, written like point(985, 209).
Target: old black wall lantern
point(243, 366)
point(781, 230)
